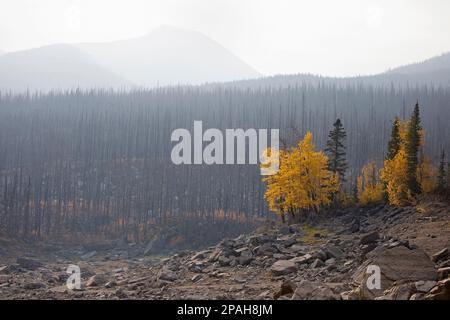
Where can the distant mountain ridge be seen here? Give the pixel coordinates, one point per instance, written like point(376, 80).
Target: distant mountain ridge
point(170, 56)
point(434, 71)
point(54, 67)
point(165, 56)
point(175, 56)
point(438, 63)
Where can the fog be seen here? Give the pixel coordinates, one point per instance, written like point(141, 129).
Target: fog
point(349, 37)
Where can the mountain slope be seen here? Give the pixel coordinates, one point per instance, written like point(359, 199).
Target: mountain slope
point(170, 56)
point(54, 67)
point(434, 71)
point(434, 64)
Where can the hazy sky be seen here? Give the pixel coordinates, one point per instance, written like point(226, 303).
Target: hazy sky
point(346, 37)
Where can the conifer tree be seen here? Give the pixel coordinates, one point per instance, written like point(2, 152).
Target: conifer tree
point(441, 178)
point(336, 150)
point(395, 141)
point(413, 137)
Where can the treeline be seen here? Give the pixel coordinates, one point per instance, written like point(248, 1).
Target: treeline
point(310, 180)
point(97, 163)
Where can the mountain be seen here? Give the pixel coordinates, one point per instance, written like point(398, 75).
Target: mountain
point(54, 67)
point(434, 71)
point(434, 64)
point(175, 56)
point(170, 56)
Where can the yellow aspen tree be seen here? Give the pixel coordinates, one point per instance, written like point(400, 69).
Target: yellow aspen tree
point(394, 176)
point(370, 189)
point(426, 175)
point(303, 180)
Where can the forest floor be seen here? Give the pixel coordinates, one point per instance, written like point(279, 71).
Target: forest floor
point(327, 260)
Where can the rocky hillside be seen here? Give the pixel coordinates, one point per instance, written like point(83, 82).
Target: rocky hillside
point(328, 260)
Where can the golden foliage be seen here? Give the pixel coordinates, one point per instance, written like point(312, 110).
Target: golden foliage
point(394, 172)
point(426, 175)
point(303, 181)
point(370, 189)
point(394, 176)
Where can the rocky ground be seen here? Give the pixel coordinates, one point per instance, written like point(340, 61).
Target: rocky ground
point(328, 260)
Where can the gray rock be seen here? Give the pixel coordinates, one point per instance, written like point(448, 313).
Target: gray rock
point(320, 254)
point(224, 261)
point(302, 259)
point(166, 274)
point(287, 287)
point(334, 252)
point(266, 250)
point(369, 238)
point(245, 257)
point(424, 286)
point(283, 267)
point(307, 290)
point(298, 249)
point(398, 263)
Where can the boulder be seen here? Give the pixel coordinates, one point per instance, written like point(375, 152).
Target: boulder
point(266, 250)
point(245, 257)
point(369, 238)
point(224, 261)
point(320, 254)
point(302, 259)
point(166, 274)
point(424, 286)
point(398, 263)
point(283, 267)
point(286, 288)
point(334, 252)
point(307, 290)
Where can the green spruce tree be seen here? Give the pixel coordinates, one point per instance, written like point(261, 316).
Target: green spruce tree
point(412, 149)
point(442, 178)
point(336, 150)
point(395, 141)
